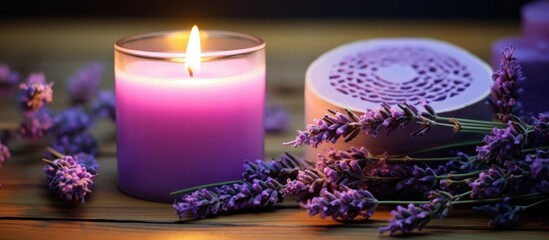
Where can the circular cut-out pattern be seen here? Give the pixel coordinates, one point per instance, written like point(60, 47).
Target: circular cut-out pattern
point(397, 74)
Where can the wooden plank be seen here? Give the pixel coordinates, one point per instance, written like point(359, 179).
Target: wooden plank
point(29, 229)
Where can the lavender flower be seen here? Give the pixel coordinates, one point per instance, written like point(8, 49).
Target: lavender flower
point(333, 127)
point(407, 219)
point(8, 79)
point(35, 125)
point(505, 214)
point(286, 167)
point(84, 84)
point(72, 184)
point(82, 142)
point(489, 184)
point(69, 179)
point(4, 153)
point(277, 118)
point(502, 144)
point(35, 93)
point(105, 105)
point(72, 120)
point(257, 194)
point(346, 204)
point(506, 87)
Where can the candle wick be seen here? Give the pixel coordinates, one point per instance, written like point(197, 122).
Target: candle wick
point(190, 72)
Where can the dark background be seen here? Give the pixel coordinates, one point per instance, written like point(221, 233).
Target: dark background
point(268, 9)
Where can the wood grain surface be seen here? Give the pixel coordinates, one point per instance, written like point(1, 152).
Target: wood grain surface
point(28, 210)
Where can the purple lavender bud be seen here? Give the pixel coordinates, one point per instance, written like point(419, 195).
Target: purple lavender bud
point(239, 196)
point(4, 153)
point(308, 184)
point(52, 167)
point(506, 87)
point(502, 144)
point(82, 142)
point(72, 120)
point(346, 204)
point(422, 181)
point(504, 214)
point(489, 184)
point(201, 203)
point(8, 79)
point(105, 105)
point(277, 118)
point(84, 84)
point(35, 93)
point(406, 220)
point(35, 125)
point(87, 161)
point(72, 183)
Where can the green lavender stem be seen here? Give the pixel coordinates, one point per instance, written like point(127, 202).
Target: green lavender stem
point(472, 122)
point(475, 201)
point(537, 203)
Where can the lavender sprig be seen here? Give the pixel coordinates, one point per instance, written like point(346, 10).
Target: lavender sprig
point(8, 79)
point(83, 86)
point(35, 93)
point(238, 196)
point(337, 125)
point(70, 180)
point(346, 204)
point(506, 87)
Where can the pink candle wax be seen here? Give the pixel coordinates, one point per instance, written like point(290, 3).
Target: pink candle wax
point(176, 132)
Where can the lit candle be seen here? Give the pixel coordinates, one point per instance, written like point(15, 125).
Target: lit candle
point(187, 118)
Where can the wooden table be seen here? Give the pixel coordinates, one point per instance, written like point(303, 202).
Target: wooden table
point(28, 210)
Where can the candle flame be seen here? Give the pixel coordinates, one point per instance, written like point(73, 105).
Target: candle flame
point(192, 61)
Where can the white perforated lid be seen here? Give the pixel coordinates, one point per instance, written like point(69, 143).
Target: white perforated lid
point(364, 74)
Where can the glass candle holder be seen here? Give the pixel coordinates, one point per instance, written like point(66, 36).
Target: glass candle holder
point(178, 129)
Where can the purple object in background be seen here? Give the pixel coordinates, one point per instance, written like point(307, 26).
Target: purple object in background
point(535, 17)
point(532, 53)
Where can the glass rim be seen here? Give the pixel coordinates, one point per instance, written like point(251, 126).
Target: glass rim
point(259, 44)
